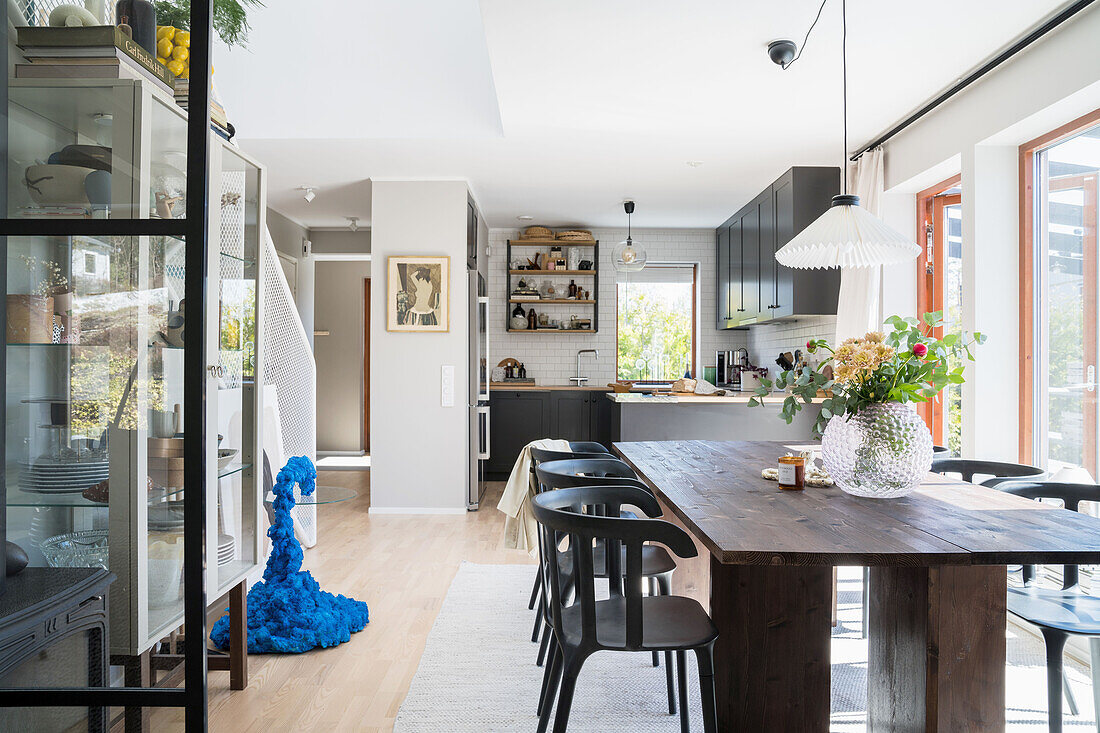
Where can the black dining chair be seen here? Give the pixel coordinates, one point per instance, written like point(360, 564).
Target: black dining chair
point(657, 564)
point(601, 466)
point(1058, 612)
point(588, 517)
point(577, 449)
point(968, 468)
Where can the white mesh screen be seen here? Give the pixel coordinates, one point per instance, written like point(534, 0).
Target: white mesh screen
point(289, 365)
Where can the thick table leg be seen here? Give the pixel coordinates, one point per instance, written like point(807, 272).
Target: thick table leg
point(937, 649)
point(238, 636)
point(771, 660)
point(137, 672)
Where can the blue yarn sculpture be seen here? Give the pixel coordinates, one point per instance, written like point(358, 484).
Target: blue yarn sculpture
point(287, 610)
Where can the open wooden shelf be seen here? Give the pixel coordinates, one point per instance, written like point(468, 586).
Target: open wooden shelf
point(552, 330)
point(551, 272)
point(593, 285)
point(544, 242)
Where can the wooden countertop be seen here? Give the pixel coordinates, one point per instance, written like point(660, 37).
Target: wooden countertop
point(730, 398)
point(546, 387)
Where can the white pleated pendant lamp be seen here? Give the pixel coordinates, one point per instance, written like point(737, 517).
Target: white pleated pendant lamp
point(846, 235)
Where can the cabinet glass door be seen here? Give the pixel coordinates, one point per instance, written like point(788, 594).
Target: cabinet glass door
point(95, 149)
point(235, 215)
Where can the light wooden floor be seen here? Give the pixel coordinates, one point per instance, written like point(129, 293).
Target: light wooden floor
point(402, 567)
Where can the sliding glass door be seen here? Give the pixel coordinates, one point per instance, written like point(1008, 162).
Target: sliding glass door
point(1065, 284)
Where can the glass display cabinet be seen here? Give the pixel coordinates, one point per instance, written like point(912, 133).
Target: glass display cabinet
point(93, 452)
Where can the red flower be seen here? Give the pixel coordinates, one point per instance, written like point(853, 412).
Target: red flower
point(920, 351)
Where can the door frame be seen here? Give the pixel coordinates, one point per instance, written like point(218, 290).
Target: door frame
point(366, 365)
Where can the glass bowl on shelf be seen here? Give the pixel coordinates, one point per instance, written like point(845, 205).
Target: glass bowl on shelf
point(84, 549)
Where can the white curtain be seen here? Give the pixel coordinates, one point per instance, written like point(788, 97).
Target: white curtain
point(860, 307)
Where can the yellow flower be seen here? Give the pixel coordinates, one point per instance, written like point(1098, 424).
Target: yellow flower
point(875, 337)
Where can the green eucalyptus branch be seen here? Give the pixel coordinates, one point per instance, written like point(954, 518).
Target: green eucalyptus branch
point(917, 369)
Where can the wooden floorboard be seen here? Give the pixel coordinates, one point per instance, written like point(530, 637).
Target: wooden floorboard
point(402, 567)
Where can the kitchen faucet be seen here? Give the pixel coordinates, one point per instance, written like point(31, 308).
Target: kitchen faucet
point(579, 379)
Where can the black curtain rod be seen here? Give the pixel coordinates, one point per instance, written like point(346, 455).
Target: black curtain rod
point(1035, 34)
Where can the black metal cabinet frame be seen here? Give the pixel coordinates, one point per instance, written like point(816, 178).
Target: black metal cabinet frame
point(194, 231)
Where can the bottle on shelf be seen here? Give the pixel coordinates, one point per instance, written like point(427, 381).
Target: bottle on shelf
point(572, 289)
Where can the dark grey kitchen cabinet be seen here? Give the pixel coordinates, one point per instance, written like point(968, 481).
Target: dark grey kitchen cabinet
point(516, 417)
point(723, 293)
point(766, 224)
point(570, 414)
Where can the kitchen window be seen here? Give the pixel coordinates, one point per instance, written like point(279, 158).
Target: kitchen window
point(1059, 281)
point(655, 323)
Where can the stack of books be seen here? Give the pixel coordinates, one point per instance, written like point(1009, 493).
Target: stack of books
point(96, 52)
point(219, 122)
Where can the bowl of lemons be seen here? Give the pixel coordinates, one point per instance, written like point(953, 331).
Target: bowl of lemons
point(174, 50)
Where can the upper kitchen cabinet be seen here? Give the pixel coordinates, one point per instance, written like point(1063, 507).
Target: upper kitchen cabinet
point(757, 287)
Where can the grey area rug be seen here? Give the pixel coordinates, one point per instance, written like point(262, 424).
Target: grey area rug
point(478, 670)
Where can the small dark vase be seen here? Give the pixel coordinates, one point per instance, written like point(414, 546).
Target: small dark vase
point(16, 559)
point(141, 16)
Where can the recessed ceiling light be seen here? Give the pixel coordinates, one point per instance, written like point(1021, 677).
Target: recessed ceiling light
point(694, 163)
point(525, 217)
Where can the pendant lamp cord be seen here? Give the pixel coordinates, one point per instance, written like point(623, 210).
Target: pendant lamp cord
point(844, 72)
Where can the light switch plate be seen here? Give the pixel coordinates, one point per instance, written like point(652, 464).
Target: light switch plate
point(447, 385)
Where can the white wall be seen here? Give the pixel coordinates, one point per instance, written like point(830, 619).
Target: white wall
point(978, 134)
point(552, 358)
point(418, 447)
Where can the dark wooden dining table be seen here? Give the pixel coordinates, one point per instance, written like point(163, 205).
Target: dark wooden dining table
point(937, 558)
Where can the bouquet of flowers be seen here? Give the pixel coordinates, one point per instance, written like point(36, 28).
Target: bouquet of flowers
point(904, 364)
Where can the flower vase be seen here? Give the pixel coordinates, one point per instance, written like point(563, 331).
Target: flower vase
point(883, 451)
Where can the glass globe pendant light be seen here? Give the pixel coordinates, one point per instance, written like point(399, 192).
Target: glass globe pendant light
point(846, 235)
point(627, 256)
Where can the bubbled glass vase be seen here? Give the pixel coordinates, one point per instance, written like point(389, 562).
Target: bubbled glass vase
point(882, 452)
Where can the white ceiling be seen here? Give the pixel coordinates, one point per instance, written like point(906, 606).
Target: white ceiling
point(561, 110)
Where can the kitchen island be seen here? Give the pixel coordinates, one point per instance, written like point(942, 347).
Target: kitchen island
point(519, 414)
point(637, 417)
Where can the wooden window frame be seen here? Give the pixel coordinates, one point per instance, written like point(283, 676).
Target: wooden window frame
point(694, 327)
point(1027, 272)
point(927, 201)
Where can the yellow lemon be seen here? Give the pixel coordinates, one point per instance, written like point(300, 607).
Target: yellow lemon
point(179, 53)
point(162, 60)
point(166, 31)
point(186, 72)
point(183, 38)
point(164, 48)
point(177, 67)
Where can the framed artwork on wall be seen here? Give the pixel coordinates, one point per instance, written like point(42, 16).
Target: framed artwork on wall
point(418, 294)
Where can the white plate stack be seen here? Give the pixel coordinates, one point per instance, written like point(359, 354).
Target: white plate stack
point(61, 478)
point(227, 546)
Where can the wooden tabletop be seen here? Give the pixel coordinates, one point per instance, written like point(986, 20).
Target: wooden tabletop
point(716, 490)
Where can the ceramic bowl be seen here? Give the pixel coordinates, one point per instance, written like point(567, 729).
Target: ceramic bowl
point(57, 185)
point(225, 457)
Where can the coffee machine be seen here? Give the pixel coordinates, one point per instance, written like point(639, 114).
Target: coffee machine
point(728, 365)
